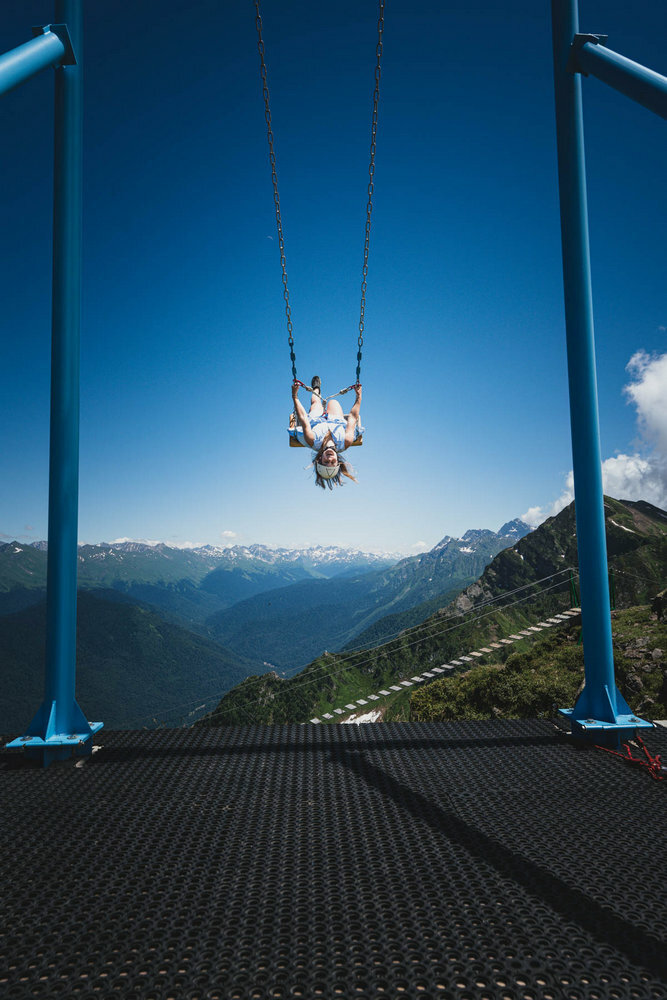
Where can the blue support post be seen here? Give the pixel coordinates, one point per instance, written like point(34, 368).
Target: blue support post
point(600, 714)
point(645, 86)
point(60, 727)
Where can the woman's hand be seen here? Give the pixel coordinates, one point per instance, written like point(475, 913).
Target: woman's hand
point(302, 416)
point(357, 393)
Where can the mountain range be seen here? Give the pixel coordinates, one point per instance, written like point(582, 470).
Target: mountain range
point(158, 637)
point(291, 625)
point(221, 576)
point(532, 579)
point(170, 635)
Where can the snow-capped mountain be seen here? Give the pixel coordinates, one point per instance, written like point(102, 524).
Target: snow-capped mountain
point(322, 557)
point(332, 556)
point(481, 540)
point(228, 574)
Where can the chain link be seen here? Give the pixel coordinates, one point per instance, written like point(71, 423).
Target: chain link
point(276, 198)
point(371, 186)
point(274, 178)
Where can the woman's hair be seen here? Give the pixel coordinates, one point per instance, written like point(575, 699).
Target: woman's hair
point(344, 469)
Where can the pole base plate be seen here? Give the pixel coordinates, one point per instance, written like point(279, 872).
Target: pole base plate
point(601, 731)
point(60, 746)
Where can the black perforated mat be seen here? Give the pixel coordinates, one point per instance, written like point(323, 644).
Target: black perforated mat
point(466, 861)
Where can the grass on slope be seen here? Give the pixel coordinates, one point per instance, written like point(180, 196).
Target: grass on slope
point(551, 672)
point(333, 680)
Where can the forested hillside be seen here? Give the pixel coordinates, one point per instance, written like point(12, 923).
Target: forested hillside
point(287, 627)
point(133, 668)
point(145, 643)
point(522, 584)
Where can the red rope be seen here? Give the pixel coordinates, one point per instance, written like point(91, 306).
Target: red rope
point(652, 764)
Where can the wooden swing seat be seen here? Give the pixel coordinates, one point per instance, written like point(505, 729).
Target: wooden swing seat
point(294, 427)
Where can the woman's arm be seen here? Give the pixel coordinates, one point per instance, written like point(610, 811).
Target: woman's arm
point(353, 417)
point(302, 416)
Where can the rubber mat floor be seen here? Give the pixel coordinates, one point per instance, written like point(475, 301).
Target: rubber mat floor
point(458, 861)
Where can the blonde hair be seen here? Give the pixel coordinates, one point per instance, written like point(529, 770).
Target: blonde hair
point(344, 469)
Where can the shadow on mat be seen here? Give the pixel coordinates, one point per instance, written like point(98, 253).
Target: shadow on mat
point(574, 905)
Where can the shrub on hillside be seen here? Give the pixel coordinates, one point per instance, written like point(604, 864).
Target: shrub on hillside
point(551, 672)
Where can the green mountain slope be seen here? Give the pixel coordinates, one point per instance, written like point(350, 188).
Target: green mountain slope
point(507, 598)
point(181, 603)
point(22, 576)
point(636, 552)
point(291, 625)
point(551, 672)
point(21, 566)
point(132, 666)
point(389, 626)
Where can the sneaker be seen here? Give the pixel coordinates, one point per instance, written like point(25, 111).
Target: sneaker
point(316, 384)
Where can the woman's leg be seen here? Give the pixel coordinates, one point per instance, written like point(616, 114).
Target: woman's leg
point(334, 409)
point(316, 408)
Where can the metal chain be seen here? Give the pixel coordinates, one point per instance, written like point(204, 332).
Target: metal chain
point(371, 186)
point(276, 198)
point(274, 178)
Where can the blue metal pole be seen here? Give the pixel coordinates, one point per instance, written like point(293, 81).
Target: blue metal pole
point(600, 705)
point(60, 726)
point(643, 85)
point(26, 60)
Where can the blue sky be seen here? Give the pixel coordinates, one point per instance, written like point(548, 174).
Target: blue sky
point(185, 374)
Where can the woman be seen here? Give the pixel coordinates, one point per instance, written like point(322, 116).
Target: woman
point(328, 433)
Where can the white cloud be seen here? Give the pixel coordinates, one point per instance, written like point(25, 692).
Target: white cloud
point(419, 546)
point(228, 534)
point(631, 477)
point(535, 515)
point(637, 476)
point(648, 392)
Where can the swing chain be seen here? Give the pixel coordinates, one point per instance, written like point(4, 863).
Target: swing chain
point(274, 178)
point(276, 198)
point(371, 185)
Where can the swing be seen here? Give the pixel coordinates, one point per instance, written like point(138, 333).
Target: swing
point(294, 427)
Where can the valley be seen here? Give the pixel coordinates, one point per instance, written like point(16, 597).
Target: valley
point(308, 631)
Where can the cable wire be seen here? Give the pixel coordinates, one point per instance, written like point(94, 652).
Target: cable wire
point(311, 679)
point(318, 673)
